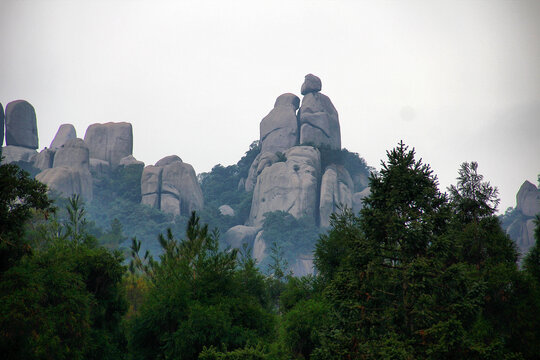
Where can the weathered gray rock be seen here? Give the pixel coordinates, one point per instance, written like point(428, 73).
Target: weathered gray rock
point(171, 186)
point(168, 160)
point(319, 121)
point(68, 181)
point(311, 84)
point(179, 181)
point(528, 199)
point(21, 125)
point(151, 186)
point(44, 160)
point(259, 247)
point(99, 167)
point(241, 234)
point(279, 129)
point(261, 161)
point(74, 154)
point(289, 186)
point(336, 192)
point(17, 153)
point(226, 210)
point(130, 160)
point(70, 173)
point(358, 199)
point(110, 142)
point(1, 125)
point(65, 133)
point(522, 232)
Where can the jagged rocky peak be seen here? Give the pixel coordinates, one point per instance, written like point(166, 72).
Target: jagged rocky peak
point(110, 142)
point(528, 199)
point(21, 125)
point(279, 129)
point(318, 118)
point(65, 133)
point(171, 186)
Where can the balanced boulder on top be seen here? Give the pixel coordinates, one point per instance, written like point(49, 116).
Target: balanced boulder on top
point(21, 125)
point(319, 120)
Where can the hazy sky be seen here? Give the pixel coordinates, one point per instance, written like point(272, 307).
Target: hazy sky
point(458, 80)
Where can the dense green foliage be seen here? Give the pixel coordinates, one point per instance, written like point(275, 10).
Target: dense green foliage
point(62, 299)
point(418, 274)
point(221, 187)
point(199, 296)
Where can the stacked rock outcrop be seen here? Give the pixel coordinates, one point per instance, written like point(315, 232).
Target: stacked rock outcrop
point(171, 186)
point(20, 132)
point(318, 118)
point(289, 186)
point(70, 172)
point(288, 174)
point(109, 142)
point(521, 230)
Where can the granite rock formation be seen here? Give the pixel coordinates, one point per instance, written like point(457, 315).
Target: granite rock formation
point(226, 210)
point(65, 133)
point(70, 173)
point(358, 199)
point(238, 235)
point(171, 186)
point(312, 84)
point(129, 161)
point(528, 199)
point(44, 160)
point(289, 186)
point(110, 141)
point(318, 118)
point(336, 191)
point(279, 129)
point(21, 125)
point(17, 153)
point(262, 161)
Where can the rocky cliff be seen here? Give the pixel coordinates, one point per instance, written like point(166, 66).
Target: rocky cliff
point(293, 172)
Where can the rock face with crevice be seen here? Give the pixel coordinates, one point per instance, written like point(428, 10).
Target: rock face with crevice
point(110, 142)
point(171, 186)
point(336, 192)
point(261, 161)
point(319, 121)
point(290, 186)
point(521, 229)
point(279, 129)
point(21, 125)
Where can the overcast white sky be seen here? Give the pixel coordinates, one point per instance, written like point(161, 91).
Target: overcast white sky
point(458, 80)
